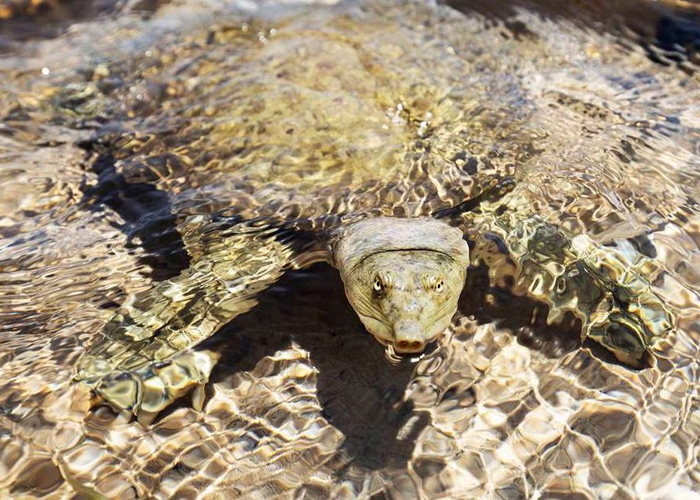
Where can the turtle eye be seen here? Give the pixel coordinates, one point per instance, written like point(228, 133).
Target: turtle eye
point(378, 284)
point(433, 282)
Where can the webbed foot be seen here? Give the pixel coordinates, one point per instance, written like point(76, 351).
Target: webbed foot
point(631, 328)
point(147, 391)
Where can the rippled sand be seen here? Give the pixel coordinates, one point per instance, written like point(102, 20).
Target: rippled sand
point(113, 130)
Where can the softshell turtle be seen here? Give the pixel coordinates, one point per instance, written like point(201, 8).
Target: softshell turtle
point(402, 275)
point(381, 163)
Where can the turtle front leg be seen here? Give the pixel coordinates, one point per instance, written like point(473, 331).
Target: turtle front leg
point(608, 288)
point(143, 359)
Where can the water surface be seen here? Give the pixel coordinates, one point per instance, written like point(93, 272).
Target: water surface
point(121, 121)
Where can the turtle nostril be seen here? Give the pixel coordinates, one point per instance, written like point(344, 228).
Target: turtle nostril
point(409, 336)
point(410, 345)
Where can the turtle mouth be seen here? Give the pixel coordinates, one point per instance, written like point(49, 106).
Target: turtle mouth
point(406, 338)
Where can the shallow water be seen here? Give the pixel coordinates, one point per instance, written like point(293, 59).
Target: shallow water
point(120, 122)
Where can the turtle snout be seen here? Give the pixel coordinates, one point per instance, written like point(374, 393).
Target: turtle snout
point(408, 337)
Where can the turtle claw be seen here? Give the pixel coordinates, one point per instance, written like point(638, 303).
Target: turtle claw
point(146, 418)
point(198, 396)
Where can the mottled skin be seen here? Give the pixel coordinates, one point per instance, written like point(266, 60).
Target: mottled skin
point(608, 287)
point(403, 277)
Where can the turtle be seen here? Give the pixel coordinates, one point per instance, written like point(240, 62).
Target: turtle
point(403, 276)
point(396, 170)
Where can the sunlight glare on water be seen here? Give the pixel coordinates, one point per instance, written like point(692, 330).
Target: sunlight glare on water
point(130, 130)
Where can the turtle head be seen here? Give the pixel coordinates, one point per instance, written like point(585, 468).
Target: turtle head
point(403, 277)
point(405, 298)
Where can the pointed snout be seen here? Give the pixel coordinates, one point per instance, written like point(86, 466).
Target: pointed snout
point(409, 337)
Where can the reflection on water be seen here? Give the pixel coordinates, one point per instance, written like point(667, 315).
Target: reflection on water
point(123, 122)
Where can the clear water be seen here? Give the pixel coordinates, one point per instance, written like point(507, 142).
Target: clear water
point(120, 121)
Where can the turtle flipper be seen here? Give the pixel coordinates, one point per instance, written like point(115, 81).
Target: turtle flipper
point(607, 287)
point(631, 319)
point(142, 360)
